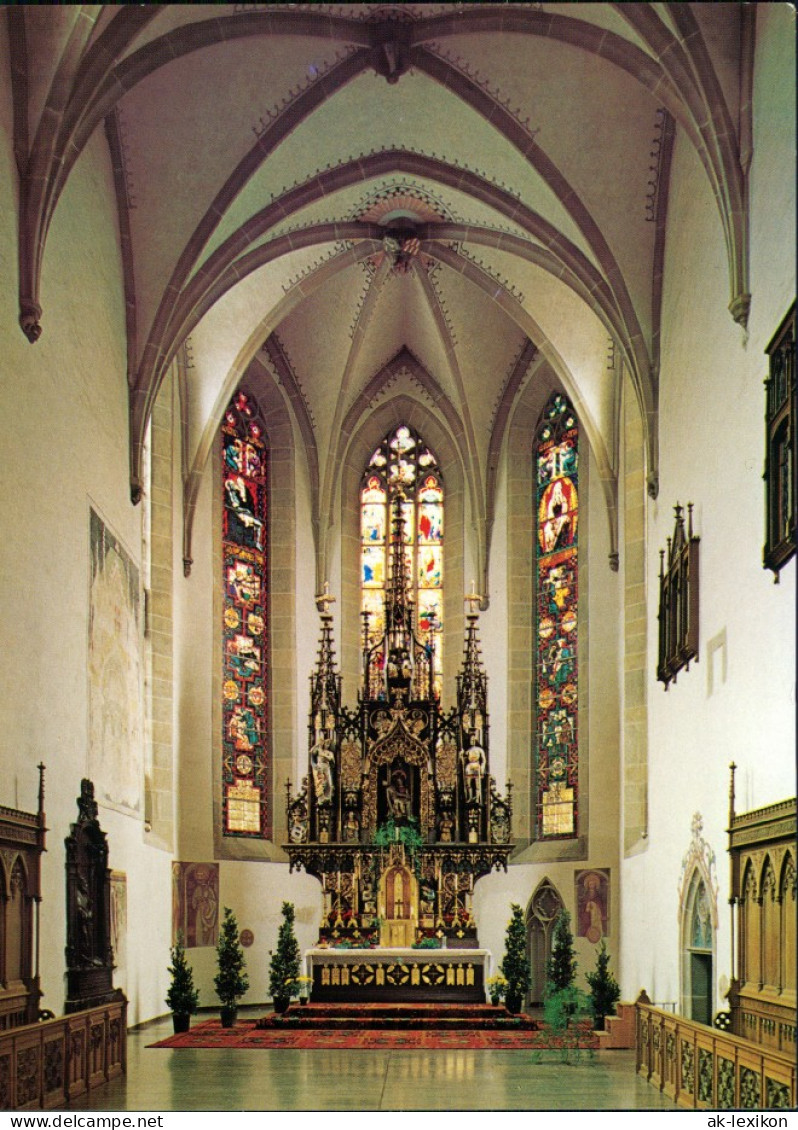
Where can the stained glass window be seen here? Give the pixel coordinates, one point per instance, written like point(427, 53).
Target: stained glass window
point(557, 622)
point(246, 764)
point(403, 462)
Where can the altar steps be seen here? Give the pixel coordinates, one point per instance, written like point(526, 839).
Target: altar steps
point(436, 1017)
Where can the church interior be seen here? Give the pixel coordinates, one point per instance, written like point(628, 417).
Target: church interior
point(414, 392)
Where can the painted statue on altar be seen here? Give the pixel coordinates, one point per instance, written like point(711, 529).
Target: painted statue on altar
point(322, 761)
point(474, 771)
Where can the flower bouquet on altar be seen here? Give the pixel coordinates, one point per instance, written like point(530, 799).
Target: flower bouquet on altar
point(497, 987)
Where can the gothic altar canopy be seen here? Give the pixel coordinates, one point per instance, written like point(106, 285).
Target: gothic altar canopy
point(399, 815)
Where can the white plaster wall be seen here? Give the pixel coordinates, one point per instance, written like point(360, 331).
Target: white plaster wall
point(64, 405)
point(712, 454)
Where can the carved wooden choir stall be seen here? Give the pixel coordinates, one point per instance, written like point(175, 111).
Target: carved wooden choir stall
point(46, 1061)
point(22, 841)
point(762, 857)
point(398, 816)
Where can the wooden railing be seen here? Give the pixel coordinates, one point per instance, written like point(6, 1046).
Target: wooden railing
point(48, 1064)
point(701, 1068)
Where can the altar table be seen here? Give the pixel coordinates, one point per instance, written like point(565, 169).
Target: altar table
point(397, 974)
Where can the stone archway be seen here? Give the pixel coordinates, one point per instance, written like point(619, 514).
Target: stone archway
point(541, 915)
point(698, 924)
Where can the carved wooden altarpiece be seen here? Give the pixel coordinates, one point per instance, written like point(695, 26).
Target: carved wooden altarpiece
point(22, 841)
point(398, 816)
point(89, 955)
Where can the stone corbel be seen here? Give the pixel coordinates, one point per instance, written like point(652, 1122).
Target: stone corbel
point(739, 308)
point(30, 320)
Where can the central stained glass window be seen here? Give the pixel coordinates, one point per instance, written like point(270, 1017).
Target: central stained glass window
point(557, 622)
point(403, 462)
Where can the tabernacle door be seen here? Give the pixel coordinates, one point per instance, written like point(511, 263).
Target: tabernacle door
point(398, 907)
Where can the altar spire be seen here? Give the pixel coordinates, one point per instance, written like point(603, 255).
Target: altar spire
point(398, 815)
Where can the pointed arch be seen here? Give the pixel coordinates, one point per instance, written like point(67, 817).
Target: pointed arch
point(542, 912)
point(698, 943)
point(787, 933)
point(419, 413)
point(771, 924)
point(247, 649)
point(556, 463)
point(404, 465)
point(246, 741)
point(749, 928)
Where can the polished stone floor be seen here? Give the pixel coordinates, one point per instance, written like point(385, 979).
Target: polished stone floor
point(161, 1079)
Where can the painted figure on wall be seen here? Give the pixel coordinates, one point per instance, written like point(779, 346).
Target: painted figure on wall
point(116, 703)
point(195, 893)
point(592, 899)
point(119, 921)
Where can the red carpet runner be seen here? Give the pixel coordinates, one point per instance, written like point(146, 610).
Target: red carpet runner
point(381, 1026)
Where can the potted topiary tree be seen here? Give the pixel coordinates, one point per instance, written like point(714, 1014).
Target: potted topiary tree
point(515, 963)
point(231, 981)
point(182, 997)
point(561, 967)
point(284, 966)
point(561, 970)
point(605, 992)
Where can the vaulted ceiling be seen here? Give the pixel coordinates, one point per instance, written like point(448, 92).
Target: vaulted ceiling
point(448, 195)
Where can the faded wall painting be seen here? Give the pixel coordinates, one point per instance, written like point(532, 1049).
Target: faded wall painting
point(195, 903)
point(116, 701)
point(593, 904)
point(119, 925)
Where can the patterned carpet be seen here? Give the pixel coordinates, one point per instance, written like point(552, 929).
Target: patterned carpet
point(210, 1034)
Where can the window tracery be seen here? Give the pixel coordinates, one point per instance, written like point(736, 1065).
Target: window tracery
point(557, 593)
point(403, 462)
point(246, 762)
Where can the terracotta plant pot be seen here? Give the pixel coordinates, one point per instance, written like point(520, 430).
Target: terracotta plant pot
point(228, 1016)
point(181, 1021)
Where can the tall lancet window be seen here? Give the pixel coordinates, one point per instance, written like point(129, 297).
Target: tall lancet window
point(557, 621)
point(403, 462)
point(246, 760)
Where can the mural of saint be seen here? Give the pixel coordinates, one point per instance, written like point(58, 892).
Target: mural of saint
point(116, 702)
point(592, 900)
point(195, 910)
